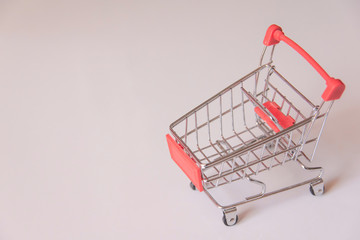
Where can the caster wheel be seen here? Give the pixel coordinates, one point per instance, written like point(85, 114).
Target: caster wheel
point(317, 190)
point(231, 222)
point(192, 186)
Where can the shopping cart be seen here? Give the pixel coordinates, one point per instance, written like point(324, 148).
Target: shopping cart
point(257, 123)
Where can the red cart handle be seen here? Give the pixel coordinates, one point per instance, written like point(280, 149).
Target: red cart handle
point(334, 87)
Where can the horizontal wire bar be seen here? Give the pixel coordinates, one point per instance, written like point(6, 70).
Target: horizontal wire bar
point(259, 161)
point(261, 142)
point(217, 95)
point(218, 116)
point(287, 100)
point(294, 88)
point(228, 138)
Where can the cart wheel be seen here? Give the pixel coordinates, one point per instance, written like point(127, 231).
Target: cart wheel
point(317, 189)
point(231, 222)
point(192, 186)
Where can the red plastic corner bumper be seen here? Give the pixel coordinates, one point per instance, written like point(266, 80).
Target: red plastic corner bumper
point(187, 165)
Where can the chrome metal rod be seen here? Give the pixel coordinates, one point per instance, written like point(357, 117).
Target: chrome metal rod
point(294, 88)
point(217, 95)
point(259, 143)
point(263, 196)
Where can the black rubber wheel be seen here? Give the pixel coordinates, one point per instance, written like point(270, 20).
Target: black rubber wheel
point(313, 192)
point(231, 224)
point(192, 186)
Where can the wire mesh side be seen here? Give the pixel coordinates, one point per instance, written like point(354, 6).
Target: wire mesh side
point(255, 160)
point(227, 123)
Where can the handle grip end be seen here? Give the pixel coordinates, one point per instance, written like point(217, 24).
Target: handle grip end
point(334, 89)
point(272, 35)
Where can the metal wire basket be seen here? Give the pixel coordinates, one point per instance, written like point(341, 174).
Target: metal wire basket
point(257, 123)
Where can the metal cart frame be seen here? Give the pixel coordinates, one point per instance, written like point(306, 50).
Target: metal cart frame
point(257, 123)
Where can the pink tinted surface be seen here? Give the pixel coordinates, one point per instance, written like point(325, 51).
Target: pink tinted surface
point(89, 88)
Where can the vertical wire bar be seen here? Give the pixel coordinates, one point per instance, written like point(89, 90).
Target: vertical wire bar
point(288, 146)
point(256, 82)
point(260, 158)
point(227, 145)
point(262, 151)
point(220, 172)
point(282, 104)
point(266, 84)
point(232, 168)
point(233, 115)
point(243, 110)
point(211, 144)
point(286, 100)
point(272, 52)
point(289, 110)
point(263, 54)
point(243, 105)
point(303, 139)
point(321, 130)
point(296, 118)
point(213, 167)
point(232, 109)
point(186, 129)
point(273, 98)
point(196, 130)
point(220, 116)
point(303, 134)
point(208, 121)
point(294, 155)
point(274, 153)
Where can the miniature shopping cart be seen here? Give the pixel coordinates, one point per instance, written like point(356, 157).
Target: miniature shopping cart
point(252, 126)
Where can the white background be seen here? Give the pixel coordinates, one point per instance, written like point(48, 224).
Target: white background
point(89, 88)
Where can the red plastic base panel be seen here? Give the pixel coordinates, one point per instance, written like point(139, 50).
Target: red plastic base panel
point(187, 165)
point(284, 121)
